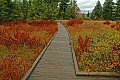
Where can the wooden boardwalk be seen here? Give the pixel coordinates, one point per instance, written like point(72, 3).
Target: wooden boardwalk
point(57, 62)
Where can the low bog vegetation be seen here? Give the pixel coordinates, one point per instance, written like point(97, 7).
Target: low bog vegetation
point(96, 45)
point(20, 44)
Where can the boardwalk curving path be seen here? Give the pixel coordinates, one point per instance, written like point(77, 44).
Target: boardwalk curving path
point(57, 62)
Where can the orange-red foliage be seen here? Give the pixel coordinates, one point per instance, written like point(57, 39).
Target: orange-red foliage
point(41, 23)
point(107, 22)
point(74, 21)
point(117, 27)
point(84, 45)
point(10, 69)
point(14, 33)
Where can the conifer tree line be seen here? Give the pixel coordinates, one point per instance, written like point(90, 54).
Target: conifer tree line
point(109, 11)
point(11, 10)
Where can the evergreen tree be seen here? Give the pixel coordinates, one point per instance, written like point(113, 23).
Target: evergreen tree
point(6, 10)
point(1, 8)
point(74, 9)
point(30, 5)
point(97, 11)
point(88, 14)
point(68, 13)
point(11, 10)
point(108, 9)
point(25, 9)
point(63, 6)
point(117, 14)
point(40, 9)
point(34, 9)
point(16, 10)
point(67, 9)
point(52, 9)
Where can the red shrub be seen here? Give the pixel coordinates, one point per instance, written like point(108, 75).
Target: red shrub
point(117, 27)
point(41, 23)
point(113, 26)
point(74, 21)
point(17, 35)
point(10, 69)
point(107, 22)
point(13, 66)
point(15, 23)
point(84, 45)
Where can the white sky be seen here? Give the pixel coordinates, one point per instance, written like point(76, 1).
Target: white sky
point(88, 5)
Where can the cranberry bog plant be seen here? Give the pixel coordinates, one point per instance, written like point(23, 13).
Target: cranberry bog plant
point(20, 44)
point(96, 45)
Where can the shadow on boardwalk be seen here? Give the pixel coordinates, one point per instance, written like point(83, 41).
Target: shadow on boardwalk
point(57, 62)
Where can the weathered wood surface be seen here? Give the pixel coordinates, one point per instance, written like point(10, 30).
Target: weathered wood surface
point(57, 62)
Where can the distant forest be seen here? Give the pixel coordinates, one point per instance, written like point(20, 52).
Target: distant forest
point(109, 11)
point(11, 10)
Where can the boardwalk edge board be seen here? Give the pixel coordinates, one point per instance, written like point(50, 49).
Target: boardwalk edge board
point(37, 60)
point(78, 73)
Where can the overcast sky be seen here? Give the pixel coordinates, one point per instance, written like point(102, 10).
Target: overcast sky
point(88, 5)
